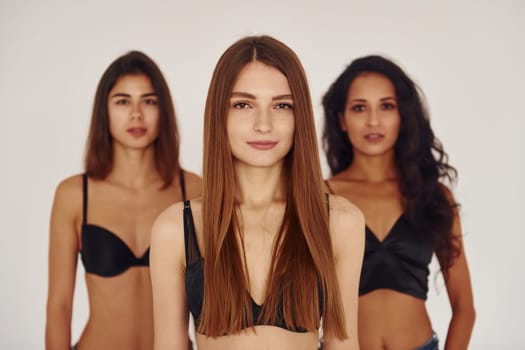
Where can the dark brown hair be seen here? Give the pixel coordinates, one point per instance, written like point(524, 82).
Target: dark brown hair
point(303, 264)
point(420, 158)
point(99, 150)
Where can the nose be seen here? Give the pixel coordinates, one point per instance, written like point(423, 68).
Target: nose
point(136, 112)
point(372, 117)
point(262, 122)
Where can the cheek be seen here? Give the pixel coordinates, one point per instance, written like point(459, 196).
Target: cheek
point(394, 125)
point(156, 128)
point(230, 127)
point(352, 128)
point(289, 126)
point(113, 124)
point(116, 116)
point(234, 129)
point(350, 122)
point(155, 121)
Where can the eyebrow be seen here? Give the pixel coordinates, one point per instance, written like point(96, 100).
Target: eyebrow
point(382, 99)
point(252, 97)
point(121, 94)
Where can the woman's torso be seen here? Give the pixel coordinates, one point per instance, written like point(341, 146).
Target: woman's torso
point(260, 336)
point(389, 319)
point(115, 231)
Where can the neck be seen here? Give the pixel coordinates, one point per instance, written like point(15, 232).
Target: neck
point(258, 187)
point(134, 168)
point(372, 169)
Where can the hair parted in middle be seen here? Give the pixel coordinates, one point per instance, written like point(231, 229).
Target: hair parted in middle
point(302, 274)
point(99, 149)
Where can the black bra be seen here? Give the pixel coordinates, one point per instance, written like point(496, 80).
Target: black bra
point(103, 252)
point(399, 262)
point(194, 278)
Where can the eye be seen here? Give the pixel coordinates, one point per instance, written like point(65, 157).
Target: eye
point(284, 105)
point(241, 105)
point(151, 101)
point(122, 101)
point(388, 106)
point(358, 108)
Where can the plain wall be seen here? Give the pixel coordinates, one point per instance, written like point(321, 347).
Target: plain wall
point(466, 55)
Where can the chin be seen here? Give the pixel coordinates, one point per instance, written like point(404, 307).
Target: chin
point(378, 153)
point(260, 163)
point(141, 145)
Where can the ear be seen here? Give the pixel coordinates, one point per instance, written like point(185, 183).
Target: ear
point(342, 121)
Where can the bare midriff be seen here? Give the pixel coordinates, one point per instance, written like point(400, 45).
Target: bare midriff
point(390, 320)
point(121, 312)
point(260, 338)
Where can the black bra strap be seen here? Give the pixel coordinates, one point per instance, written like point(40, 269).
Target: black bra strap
point(191, 246)
point(84, 197)
point(182, 184)
point(186, 229)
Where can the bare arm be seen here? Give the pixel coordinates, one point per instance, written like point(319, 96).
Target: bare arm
point(167, 265)
point(63, 250)
point(347, 227)
point(459, 291)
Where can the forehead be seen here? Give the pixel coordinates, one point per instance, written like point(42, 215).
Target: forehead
point(257, 76)
point(133, 82)
point(371, 84)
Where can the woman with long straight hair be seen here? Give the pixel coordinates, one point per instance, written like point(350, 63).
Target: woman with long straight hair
point(265, 255)
point(384, 157)
point(132, 173)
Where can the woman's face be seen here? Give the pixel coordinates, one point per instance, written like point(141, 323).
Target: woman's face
point(371, 118)
point(260, 121)
point(133, 112)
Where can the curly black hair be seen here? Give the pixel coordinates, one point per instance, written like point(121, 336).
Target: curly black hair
point(420, 158)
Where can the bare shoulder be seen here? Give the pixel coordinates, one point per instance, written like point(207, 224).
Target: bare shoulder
point(66, 212)
point(193, 184)
point(341, 209)
point(347, 223)
point(169, 220)
point(167, 236)
point(169, 225)
point(70, 187)
point(68, 196)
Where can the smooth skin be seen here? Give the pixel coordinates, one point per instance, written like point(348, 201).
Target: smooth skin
point(126, 203)
point(261, 113)
point(389, 319)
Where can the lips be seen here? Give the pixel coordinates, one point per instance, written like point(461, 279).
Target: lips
point(374, 137)
point(262, 145)
point(137, 132)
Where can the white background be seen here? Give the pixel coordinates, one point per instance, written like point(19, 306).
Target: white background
point(468, 56)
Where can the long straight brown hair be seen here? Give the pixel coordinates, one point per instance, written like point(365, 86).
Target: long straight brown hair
point(302, 274)
point(99, 148)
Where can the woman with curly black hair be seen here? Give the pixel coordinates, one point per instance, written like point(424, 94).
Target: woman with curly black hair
point(384, 157)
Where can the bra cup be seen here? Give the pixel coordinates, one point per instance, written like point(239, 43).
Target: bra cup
point(399, 262)
point(105, 254)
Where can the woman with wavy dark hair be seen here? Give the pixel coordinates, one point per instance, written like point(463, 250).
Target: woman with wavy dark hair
point(132, 173)
point(384, 157)
point(265, 254)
